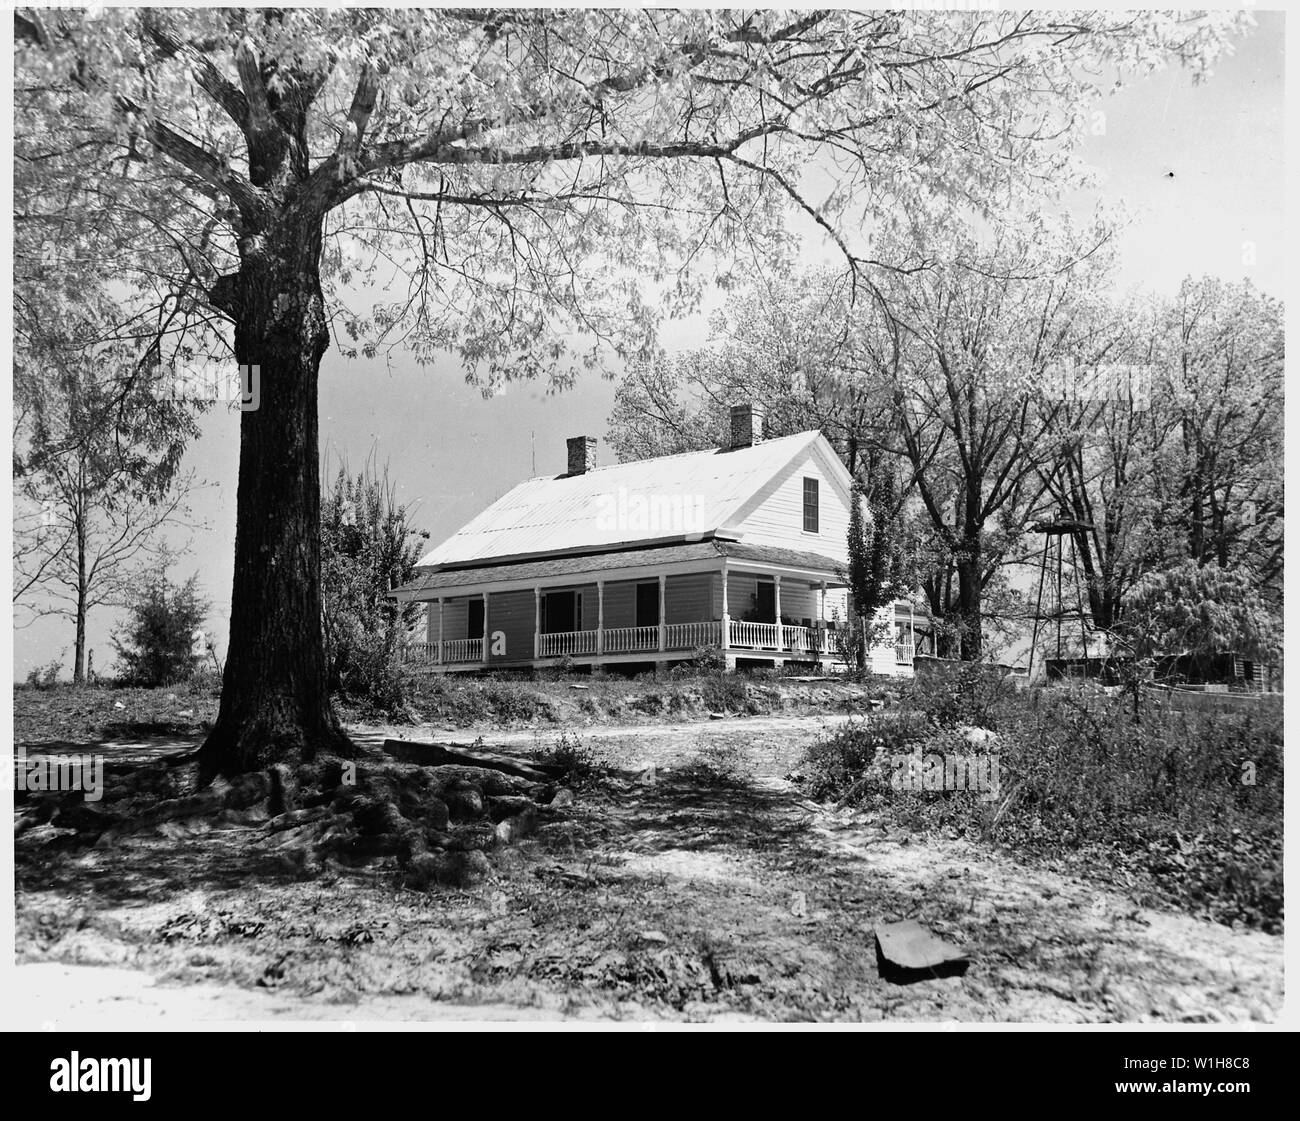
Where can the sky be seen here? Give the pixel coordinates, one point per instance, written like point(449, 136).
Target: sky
point(451, 452)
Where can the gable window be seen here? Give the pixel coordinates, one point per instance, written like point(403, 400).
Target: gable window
point(810, 519)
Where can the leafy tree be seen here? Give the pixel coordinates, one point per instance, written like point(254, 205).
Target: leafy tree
point(95, 475)
point(1222, 376)
point(964, 349)
point(534, 185)
point(876, 571)
point(779, 341)
point(156, 644)
point(1199, 610)
point(1172, 445)
point(368, 548)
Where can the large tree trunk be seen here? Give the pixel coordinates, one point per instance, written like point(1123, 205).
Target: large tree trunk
point(274, 699)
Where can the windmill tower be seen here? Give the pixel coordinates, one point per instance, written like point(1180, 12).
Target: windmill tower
point(1065, 604)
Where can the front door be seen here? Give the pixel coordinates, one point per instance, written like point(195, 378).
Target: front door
point(560, 612)
point(765, 601)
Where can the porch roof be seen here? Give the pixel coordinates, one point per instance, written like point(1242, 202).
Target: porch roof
point(621, 564)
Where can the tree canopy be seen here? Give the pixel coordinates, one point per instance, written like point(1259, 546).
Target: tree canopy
point(520, 185)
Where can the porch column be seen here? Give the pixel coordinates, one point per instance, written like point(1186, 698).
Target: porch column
point(440, 627)
point(484, 656)
point(780, 631)
point(663, 607)
point(726, 616)
point(821, 620)
point(600, 616)
point(537, 620)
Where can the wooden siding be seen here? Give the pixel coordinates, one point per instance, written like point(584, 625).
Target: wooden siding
point(687, 599)
point(455, 619)
point(620, 604)
point(776, 517)
point(512, 614)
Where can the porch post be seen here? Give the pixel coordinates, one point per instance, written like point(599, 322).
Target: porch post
point(780, 631)
point(821, 620)
point(537, 620)
point(440, 624)
point(726, 616)
point(663, 607)
point(600, 616)
point(485, 627)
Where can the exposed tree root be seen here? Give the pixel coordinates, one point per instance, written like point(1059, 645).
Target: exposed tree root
point(436, 823)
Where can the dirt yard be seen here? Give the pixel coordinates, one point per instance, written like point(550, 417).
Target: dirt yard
point(689, 881)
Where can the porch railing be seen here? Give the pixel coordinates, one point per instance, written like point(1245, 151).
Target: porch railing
point(462, 650)
point(566, 643)
point(631, 640)
point(743, 635)
point(904, 653)
point(753, 636)
point(687, 636)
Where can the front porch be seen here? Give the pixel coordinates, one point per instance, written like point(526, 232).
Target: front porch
point(757, 606)
point(741, 638)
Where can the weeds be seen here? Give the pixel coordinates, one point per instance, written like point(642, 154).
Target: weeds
point(579, 764)
point(1191, 801)
point(717, 763)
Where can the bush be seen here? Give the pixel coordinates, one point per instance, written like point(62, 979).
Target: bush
point(368, 548)
point(44, 677)
point(464, 700)
point(578, 762)
point(704, 659)
point(1161, 797)
point(156, 646)
point(851, 764)
point(969, 693)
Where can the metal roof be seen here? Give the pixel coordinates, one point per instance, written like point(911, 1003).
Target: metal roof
point(686, 497)
point(610, 563)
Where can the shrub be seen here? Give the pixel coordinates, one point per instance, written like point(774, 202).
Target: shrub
point(969, 693)
point(44, 677)
point(156, 645)
point(368, 548)
point(850, 764)
point(704, 659)
point(464, 700)
point(724, 692)
point(578, 762)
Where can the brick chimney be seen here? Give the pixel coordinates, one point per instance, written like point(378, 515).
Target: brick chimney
point(582, 454)
point(746, 425)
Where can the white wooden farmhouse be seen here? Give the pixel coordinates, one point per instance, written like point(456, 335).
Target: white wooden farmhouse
point(742, 548)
